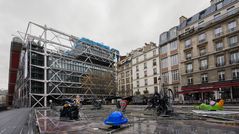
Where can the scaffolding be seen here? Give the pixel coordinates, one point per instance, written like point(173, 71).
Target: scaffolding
point(56, 65)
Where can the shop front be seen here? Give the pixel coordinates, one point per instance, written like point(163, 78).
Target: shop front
point(229, 91)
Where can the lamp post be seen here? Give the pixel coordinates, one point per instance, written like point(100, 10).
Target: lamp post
point(161, 85)
point(159, 80)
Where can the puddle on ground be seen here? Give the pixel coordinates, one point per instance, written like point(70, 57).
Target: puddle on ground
point(92, 120)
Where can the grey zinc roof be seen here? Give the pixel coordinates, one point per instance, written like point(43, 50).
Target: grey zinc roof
point(203, 13)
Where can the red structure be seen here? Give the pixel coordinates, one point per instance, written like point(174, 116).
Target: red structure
point(15, 53)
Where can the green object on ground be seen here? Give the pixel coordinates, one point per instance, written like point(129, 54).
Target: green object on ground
point(204, 106)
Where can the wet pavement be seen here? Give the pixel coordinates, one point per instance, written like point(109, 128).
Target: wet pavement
point(140, 122)
point(14, 121)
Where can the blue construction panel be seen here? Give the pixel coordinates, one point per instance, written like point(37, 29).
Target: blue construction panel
point(93, 43)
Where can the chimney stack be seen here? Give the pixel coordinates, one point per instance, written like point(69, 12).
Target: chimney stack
point(182, 19)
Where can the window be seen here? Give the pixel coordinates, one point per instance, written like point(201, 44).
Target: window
point(188, 43)
point(127, 80)
point(145, 82)
point(145, 73)
point(145, 65)
point(137, 75)
point(218, 31)
point(127, 74)
point(219, 46)
point(173, 45)
point(230, 9)
point(175, 75)
point(164, 49)
point(232, 26)
point(127, 66)
point(155, 71)
point(137, 68)
point(173, 33)
point(145, 56)
point(232, 41)
point(163, 37)
point(155, 80)
point(189, 68)
point(154, 62)
point(234, 58)
point(202, 51)
point(174, 60)
point(165, 77)
point(122, 75)
point(216, 16)
point(202, 38)
point(219, 5)
point(235, 73)
point(154, 52)
point(220, 61)
point(164, 63)
point(203, 64)
point(122, 81)
point(189, 56)
point(190, 80)
point(156, 89)
point(204, 78)
point(221, 76)
point(175, 90)
point(137, 83)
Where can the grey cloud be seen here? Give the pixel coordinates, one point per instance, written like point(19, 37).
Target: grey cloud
point(122, 24)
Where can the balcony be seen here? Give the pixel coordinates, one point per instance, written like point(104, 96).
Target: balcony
point(189, 70)
point(235, 77)
point(188, 58)
point(232, 30)
point(233, 44)
point(188, 47)
point(203, 67)
point(234, 61)
point(221, 79)
point(219, 48)
point(220, 64)
point(217, 35)
point(202, 41)
point(203, 53)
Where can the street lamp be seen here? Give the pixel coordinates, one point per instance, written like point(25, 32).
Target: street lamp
point(159, 80)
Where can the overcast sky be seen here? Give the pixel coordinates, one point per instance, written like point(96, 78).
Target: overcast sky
point(121, 24)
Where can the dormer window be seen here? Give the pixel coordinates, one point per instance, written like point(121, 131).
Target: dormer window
point(219, 5)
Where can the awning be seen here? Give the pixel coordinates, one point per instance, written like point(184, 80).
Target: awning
point(197, 91)
point(209, 87)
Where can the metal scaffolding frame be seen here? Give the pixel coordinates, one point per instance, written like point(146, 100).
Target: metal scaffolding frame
point(55, 64)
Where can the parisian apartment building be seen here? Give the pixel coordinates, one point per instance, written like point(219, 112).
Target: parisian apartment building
point(124, 76)
point(169, 61)
point(138, 71)
point(198, 59)
point(209, 53)
point(145, 68)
